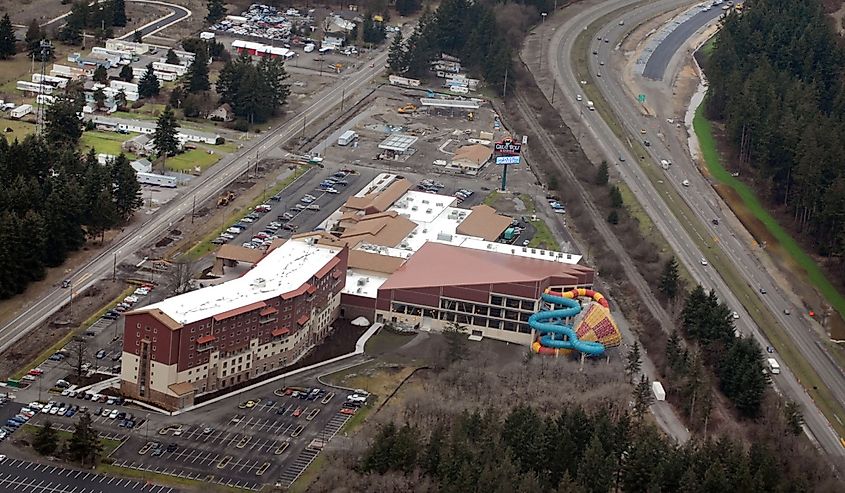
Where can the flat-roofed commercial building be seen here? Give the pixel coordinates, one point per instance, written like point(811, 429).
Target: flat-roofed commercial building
point(216, 337)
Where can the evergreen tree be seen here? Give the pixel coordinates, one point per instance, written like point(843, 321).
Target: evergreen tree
point(408, 7)
point(378, 458)
point(616, 197)
point(63, 127)
point(33, 38)
point(741, 376)
point(274, 78)
point(674, 353)
point(99, 99)
point(7, 38)
point(196, 79)
point(396, 55)
point(148, 86)
point(46, 440)
point(670, 279)
point(643, 398)
point(595, 470)
point(126, 73)
point(632, 368)
point(119, 13)
point(603, 174)
point(164, 138)
point(120, 98)
point(127, 190)
point(100, 75)
point(84, 446)
point(253, 100)
point(216, 11)
point(456, 342)
point(613, 217)
point(171, 57)
point(62, 209)
point(794, 417)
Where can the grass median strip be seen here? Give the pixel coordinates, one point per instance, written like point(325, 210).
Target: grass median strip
point(703, 131)
point(800, 367)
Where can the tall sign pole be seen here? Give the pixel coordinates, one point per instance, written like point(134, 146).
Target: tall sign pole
point(507, 154)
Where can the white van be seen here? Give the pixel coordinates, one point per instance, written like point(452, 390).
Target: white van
point(774, 367)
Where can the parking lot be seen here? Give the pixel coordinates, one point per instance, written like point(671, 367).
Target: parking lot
point(257, 440)
point(29, 477)
point(287, 200)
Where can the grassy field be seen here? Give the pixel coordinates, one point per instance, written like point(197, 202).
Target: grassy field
point(750, 201)
point(708, 47)
point(186, 161)
point(105, 142)
point(386, 340)
point(19, 129)
point(543, 237)
point(802, 369)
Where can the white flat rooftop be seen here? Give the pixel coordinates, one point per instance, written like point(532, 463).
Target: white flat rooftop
point(363, 283)
point(283, 270)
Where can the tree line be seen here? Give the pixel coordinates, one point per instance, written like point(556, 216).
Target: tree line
point(55, 197)
point(99, 17)
point(569, 450)
point(82, 447)
point(775, 80)
point(461, 28)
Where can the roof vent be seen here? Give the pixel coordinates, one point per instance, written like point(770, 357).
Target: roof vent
point(259, 282)
point(568, 256)
point(489, 246)
point(533, 250)
point(524, 249)
point(428, 211)
point(414, 208)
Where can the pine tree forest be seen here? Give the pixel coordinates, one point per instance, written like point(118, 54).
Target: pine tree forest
point(775, 81)
point(53, 199)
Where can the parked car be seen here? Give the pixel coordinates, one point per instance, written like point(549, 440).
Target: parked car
point(101, 354)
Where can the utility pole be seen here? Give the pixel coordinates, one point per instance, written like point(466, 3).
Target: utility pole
point(505, 89)
point(194, 210)
point(114, 268)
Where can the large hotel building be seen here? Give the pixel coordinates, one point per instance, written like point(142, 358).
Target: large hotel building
point(390, 254)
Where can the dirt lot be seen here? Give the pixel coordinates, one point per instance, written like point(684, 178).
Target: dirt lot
point(438, 136)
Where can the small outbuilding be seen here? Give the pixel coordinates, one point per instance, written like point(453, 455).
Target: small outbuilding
point(397, 146)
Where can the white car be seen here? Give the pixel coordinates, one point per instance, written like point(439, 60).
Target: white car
point(735, 315)
point(130, 299)
point(247, 220)
point(685, 183)
point(703, 261)
point(578, 97)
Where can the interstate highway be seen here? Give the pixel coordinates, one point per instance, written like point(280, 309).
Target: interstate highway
point(209, 185)
point(704, 205)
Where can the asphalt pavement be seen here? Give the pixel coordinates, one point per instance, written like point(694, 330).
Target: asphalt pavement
point(28, 477)
point(655, 68)
point(699, 196)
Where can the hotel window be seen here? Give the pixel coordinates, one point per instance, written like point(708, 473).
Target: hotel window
point(155, 331)
point(139, 325)
point(154, 348)
point(193, 329)
point(528, 305)
point(512, 303)
point(496, 300)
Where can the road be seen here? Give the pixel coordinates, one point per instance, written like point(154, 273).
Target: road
point(29, 477)
point(177, 14)
point(702, 204)
point(657, 63)
point(209, 185)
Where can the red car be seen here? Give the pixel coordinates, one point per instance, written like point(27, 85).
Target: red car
point(347, 410)
point(297, 413)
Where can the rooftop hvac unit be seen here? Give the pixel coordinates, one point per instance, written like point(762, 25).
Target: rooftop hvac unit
point(559, 255)
point(444, 237)
point(542, 252)
point(439, 204)
point(524, 249)
point(568, 256)
point(425, 201)
point(489, 246)
point(358, 290)
point(414, 208)
point(259, 282)
point(428, 211)
point(533, 250)
point(425, 230)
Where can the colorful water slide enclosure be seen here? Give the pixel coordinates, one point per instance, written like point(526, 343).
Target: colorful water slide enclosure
point(556, 334)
